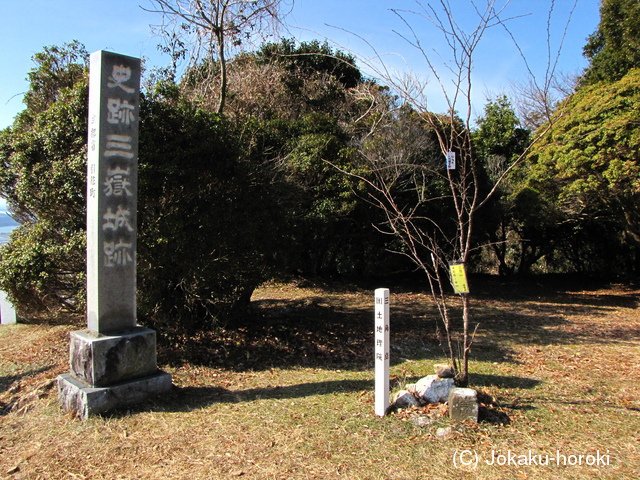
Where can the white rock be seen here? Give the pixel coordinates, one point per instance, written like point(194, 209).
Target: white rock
point(444, 433)
point(433, 389)
point(422, 421)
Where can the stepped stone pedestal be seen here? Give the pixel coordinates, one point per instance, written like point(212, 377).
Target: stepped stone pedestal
point(110, 371)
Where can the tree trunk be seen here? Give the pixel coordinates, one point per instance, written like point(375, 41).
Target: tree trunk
point(223, 74)
point(462, 379)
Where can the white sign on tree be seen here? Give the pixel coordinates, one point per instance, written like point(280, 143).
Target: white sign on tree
point(451, 160)
point(381, 351)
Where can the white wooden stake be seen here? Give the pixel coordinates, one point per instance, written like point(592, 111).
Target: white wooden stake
point(381, 351)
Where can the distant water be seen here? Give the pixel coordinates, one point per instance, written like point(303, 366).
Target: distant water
point(7, 224)
point(4, 237)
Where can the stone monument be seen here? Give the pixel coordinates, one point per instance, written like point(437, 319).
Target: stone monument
point(113, 361)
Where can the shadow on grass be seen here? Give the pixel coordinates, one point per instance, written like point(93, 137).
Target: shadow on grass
point(541, 310)
point(312, 337)
point(300, 334)
point(544, 324)
point(587, 402)
point(329, 330)
point(186, 399)
point(7, 381)
point(500, 381)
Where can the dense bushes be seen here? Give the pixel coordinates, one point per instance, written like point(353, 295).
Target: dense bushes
point(586, 169)
point(225, 203)
point(212, 223)
point(43, 178)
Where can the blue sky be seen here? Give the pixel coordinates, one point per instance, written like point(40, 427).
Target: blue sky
point(122, 26)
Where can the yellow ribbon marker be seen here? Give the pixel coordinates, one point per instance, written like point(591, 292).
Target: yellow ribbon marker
point(459, 278)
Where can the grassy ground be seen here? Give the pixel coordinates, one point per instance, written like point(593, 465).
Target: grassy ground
point(292, 398)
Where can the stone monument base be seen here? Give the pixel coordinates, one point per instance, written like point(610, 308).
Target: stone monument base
point(85, 400)
point(101, 360)
point(110, 371)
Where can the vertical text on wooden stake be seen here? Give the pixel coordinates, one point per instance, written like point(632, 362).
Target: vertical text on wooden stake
point(381, 350)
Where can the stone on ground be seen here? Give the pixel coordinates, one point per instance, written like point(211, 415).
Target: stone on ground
point(444, 371)
point(433, 389)
point(463, 404)
point(404, 399)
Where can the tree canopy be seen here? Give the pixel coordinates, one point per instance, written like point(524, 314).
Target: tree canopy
point(225, 202)
point(210, 28)
point(230, 200)
point(587, 165)
point(43, 159)
point(614, 48)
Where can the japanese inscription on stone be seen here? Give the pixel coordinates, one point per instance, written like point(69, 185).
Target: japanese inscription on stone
point(112, 171)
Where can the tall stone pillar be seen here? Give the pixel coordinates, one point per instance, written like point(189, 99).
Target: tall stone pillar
point(113, 361)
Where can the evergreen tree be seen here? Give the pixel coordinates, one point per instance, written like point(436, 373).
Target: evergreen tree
point(614, 48)
point(43, 178)
point(587, 167)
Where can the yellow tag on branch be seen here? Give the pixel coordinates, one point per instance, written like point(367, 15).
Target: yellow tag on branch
point(459, 278)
